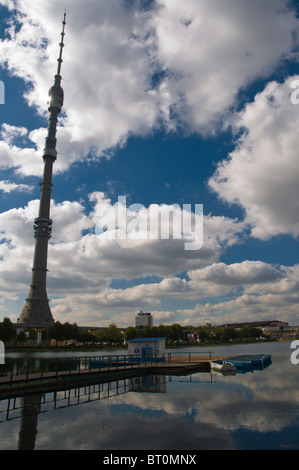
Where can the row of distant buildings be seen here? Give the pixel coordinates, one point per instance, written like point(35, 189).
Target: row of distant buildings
point(275, 328)
point(281, 330)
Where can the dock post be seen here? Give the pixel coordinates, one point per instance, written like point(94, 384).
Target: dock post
point(11, 370)
point(27, 367)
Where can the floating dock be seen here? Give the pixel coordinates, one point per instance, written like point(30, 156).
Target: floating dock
point(253, 360)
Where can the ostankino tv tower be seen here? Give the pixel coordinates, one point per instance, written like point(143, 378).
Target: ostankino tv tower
point(36, 310)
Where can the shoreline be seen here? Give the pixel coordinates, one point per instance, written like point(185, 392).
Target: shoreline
point(38, 348)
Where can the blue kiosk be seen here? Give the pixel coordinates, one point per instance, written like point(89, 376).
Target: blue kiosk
point(147, 348)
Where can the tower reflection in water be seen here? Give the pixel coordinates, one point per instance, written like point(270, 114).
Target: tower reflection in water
point(28, 407)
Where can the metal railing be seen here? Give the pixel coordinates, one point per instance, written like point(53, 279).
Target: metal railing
point(191, 356)
point(40, 368)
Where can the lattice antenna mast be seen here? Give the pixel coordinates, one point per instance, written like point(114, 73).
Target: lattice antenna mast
point(36, 310)
point(61, 44)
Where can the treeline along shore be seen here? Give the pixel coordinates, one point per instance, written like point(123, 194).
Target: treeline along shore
point(66, 335)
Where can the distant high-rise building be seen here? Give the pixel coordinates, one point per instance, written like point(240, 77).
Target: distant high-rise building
point(144, 319)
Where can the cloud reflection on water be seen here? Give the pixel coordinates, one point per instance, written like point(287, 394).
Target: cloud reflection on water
point(192, 413)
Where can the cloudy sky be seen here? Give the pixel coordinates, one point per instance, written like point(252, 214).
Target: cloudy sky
point(169, 104)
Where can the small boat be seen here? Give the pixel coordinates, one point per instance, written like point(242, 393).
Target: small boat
point(221, 365)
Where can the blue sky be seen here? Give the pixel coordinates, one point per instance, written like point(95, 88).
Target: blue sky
point(166, 102)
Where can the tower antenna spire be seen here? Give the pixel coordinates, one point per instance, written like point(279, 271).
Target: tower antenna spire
point(61, 44)
point(36, 311)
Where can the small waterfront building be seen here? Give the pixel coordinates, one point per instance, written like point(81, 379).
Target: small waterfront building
point(147, 347)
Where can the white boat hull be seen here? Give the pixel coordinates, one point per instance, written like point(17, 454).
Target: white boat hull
point(222, 366)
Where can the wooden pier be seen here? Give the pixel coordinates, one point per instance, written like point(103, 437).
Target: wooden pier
point(35, 375)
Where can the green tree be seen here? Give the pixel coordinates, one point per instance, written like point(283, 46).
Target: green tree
point(64, 331)
point(245, 332)
point(21, 337)
point(7, 330)
point(203, 333)
point(57, 331)
point(147, 332)
point(162, 331)
point(248, 332)
point(131, 333)
point(176, 332)
point(101, 336)
point(113, 335)
point(87, 337)
point(229, 334)
point(71, 331)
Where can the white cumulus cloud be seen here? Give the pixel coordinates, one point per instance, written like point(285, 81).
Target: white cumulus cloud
point(129, 70)
point(261, 173)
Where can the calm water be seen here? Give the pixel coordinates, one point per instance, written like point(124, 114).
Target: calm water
point(256, 410)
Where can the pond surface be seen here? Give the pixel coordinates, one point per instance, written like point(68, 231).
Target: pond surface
point(253, 410)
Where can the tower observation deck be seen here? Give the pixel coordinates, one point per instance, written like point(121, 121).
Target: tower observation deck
point(37, 310)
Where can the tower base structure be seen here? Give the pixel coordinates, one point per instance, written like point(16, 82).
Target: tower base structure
point(37, 312)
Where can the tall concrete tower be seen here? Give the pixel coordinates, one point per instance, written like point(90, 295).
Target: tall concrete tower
point(36, 310)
